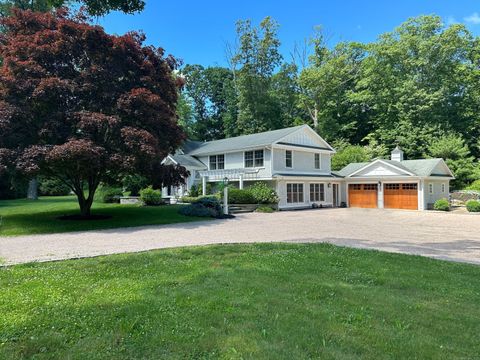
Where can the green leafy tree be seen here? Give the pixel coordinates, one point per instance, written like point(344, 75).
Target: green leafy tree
point(452, 149)
point(210, 91)
point(93, 7)
point(253, 64)
point(347, 154)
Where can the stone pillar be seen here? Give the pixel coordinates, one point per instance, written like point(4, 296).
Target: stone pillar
point(241, 181)
point(204, 185)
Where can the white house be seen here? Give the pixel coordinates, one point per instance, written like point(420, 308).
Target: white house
point(296, 163)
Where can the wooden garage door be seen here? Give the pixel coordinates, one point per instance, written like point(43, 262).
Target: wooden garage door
point(362, 195)
point(401, 196)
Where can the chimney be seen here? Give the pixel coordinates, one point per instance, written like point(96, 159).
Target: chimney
point(397, 154)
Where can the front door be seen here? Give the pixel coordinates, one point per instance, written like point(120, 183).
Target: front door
point(335, 194)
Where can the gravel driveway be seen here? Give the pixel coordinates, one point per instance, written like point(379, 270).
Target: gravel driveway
point(448, 236)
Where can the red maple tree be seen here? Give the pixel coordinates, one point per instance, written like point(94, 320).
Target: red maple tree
point(81, 105)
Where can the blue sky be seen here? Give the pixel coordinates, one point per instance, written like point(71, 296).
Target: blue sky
point(196, 31)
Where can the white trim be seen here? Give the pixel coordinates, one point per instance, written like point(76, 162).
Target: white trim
point(216, 162)
point(286, 194)
point(253, 150)
point(169, 157)
point(311, 131)
point(383, 162)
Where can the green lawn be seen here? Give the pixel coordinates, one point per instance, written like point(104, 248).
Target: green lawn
point(269, 301)
point(21, 217)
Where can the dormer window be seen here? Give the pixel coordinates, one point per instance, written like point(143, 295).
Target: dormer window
point(217, 162)
point(254, 158)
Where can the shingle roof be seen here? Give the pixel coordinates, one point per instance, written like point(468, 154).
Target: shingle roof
point(240, 142)
point(188, 161)
point(420, 167)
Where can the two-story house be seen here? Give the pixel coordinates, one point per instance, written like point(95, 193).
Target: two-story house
point(296, 162)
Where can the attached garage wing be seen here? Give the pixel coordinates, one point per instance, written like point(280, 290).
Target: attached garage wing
point(363, 195)
point(401, 196)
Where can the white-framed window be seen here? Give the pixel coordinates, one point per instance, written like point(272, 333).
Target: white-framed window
point(430, 188)
point(443, 188)
point(217, 162)
point(317, 192)
point(254, 158)
point(288, 159)
point(317, 161)
point(294, 193)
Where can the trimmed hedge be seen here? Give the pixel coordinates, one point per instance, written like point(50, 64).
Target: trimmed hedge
point(441, 205)
point(473, 206)
point(240, 196)
point(192, 199)
point(264, 209)
point(151, 197)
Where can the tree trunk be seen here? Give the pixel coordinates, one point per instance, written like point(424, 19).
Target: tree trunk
point(86, 203)
point(32, 193)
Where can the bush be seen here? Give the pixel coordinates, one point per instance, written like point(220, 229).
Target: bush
point(203, 207)
point(240, 196)
point(441, 205)
point(263, 194)
point(474, 186)
point(473, 206)
point(191, 199)
point(53, 187)
point(134, 183)
point(151, 197)
point(265, 209)
point(107, 194)
point(194, 191)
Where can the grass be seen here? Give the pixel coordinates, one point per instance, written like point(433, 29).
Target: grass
point(266, 301)
point(22, 217)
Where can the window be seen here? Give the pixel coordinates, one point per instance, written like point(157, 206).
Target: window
point(288, 159)
point(217, 162)
point(317, 192)
point(370, 187)
point(294, 193)
point(254, 158)
point(317, 161)
point(409, 186)
point(443, 188)
point(392, 186)
point(430, 188)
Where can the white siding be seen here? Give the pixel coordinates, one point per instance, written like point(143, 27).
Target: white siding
point(303, 162)
point(437, 191)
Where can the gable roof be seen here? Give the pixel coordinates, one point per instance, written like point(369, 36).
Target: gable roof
point(420, 167)
point(187, 161)
point(240, 142)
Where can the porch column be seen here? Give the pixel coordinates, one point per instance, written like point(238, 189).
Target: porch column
point(204, 185)
point(240, 177)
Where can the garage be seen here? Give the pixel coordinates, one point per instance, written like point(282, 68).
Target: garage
point(401, 196)
point(363, 195)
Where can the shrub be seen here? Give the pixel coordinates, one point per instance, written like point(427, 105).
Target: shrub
point(240, 196)
point(53, 187)
point(441, 205)
point(151, 197)
point(473, 206)
point(134, 183)
point(265, 209)
point(263, 194)
point(107, 194)
point(203, 207)
point(191, 199)
point(474, 186)
point(194, 191)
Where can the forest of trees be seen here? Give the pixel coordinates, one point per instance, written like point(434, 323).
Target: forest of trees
point(417, 86)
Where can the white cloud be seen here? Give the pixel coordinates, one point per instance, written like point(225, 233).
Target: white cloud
point(473, 19)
